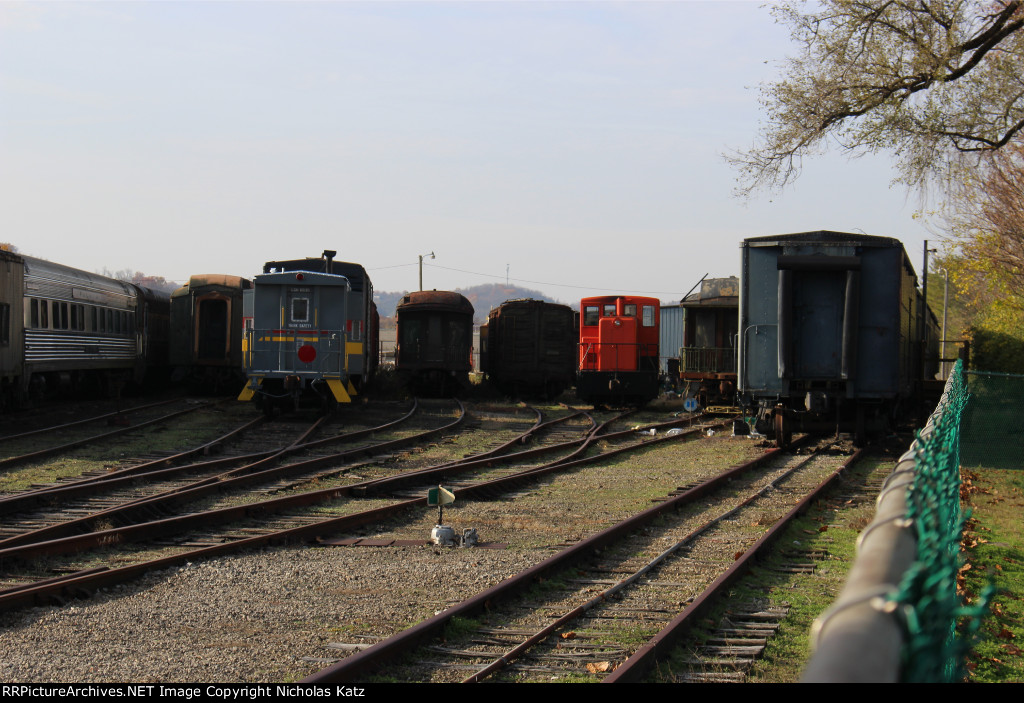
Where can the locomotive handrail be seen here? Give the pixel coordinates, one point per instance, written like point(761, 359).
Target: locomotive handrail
point(615, 347)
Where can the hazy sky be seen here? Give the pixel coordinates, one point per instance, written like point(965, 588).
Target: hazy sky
point(577, 146)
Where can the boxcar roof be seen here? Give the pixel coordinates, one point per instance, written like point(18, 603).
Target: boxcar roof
point(826, 237)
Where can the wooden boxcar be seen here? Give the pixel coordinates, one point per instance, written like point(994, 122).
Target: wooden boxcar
point(528, 348)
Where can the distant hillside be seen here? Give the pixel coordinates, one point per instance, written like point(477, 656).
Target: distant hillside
point(484, 297)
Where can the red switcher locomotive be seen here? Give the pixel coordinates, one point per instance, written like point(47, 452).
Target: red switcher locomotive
point(618, 350)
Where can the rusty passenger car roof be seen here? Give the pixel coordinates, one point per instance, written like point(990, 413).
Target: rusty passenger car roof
point(435, 300)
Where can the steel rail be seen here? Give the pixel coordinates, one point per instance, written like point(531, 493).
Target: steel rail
point(605, 595)
point(367, 660)
point(149, 471)
point(29, 594)
point(26, 500)
point(75, 423)
point(62, 538)
point(634, 668)
point(14, 460)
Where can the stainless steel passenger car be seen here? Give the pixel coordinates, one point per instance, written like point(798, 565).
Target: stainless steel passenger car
point(12, 345)
point(832, 331)
point(77, 330)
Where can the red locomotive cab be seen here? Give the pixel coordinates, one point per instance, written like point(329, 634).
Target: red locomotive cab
point(618, 346)
point(618, 349)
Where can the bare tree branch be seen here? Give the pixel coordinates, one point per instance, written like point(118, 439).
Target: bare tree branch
point(931, 81)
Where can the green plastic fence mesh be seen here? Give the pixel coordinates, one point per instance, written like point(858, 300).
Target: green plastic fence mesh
point(992, 428)
point(935, 650)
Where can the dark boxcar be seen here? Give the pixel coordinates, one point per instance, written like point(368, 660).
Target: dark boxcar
point(207, 329)
point(297, 342)
point(618, 352)
point(831, 330)
point(707, 359)
point(435, 339)
point(363, 322)
point(528, 348)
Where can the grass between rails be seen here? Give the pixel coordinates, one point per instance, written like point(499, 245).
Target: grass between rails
point(827, 536)
point(177, 435)
point(994, 550)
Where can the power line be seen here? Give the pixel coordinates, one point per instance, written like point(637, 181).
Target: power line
point(535, 283)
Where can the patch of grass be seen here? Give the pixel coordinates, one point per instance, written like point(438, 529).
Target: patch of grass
point(829, 528)
point(458, 628)
point(994, 549)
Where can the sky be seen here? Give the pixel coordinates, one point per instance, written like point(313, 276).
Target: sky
point(575, 148)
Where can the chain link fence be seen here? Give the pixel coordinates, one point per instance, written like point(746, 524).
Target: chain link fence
point(900, 618)
point(992, 428)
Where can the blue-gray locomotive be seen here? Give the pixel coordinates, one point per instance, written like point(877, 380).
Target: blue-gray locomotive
point(310, 332)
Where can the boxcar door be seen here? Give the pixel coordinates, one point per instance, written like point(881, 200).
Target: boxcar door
point(818, 301)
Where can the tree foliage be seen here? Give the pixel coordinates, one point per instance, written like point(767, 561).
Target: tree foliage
point(931, 81)
point(985, 216)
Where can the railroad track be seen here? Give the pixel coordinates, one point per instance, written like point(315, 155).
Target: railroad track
point(161, 497)
point(25, 447)
point(650, 577)
point(248, 528)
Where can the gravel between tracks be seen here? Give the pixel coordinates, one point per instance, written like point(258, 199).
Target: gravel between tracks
point(249, 618)
point(253, 618)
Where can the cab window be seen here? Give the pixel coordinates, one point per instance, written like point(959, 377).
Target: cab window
point(648, 316)
point(590, 315)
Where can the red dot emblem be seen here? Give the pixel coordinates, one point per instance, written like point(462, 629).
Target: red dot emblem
point(307, 352)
